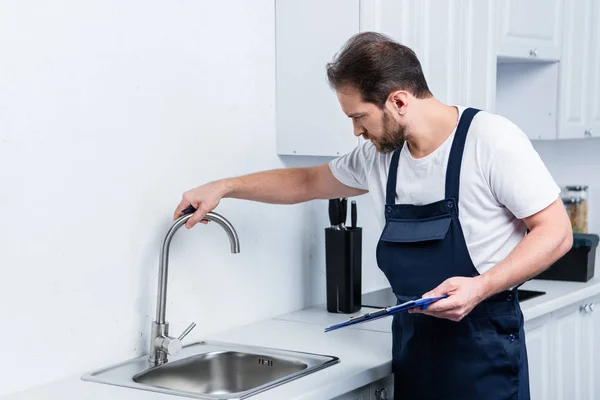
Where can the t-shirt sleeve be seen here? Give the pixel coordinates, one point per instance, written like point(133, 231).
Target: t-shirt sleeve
point(351, 168)
point(517, 176)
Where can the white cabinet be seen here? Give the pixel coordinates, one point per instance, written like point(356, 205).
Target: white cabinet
point(453, 39)
point(530, 28)
point(309, 118)
point(593, 84)
point(382, 389)
point(575, 88)
point(576, 374)
point(358, 394)
point(567, 357)
point(537, 337)
point(563, 349)
point(432, 32)
point(590, 332)
point(579, 113)
point(527, 94)
point(478, 61)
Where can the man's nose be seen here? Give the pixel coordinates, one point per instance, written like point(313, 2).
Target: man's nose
point(358, 130)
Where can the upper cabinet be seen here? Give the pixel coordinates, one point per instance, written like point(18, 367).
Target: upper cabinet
point(477, 68)
point(575, 69)
point(452, 41)
point(309, 118)
point(530, 28)
point(579, 112)
point(593, 86)
point(536, 62)
point(430, 30)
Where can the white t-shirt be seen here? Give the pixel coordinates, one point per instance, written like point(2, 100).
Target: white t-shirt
point(502, 181)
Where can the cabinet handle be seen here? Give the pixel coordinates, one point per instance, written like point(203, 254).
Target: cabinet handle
point(533, 52)
point(587, 133)
point(381, 394)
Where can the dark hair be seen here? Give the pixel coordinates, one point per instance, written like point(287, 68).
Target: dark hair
point(376, 65)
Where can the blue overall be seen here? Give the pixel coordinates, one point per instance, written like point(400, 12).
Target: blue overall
point(483, 356)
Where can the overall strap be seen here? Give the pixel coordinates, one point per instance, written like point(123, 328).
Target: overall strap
point(392, 176)
point(456, 153)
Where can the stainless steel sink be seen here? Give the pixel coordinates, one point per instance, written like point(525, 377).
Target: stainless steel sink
point(215, 370)
point(205, 370)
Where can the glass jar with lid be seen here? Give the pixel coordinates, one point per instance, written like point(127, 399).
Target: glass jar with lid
point(575, 199)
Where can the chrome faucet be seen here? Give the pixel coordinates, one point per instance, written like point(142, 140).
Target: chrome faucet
point(161, 344)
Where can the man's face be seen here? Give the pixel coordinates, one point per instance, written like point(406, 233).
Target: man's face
point(372, 123)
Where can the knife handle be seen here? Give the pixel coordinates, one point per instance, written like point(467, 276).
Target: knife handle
point(344, 207)
point(353, 215)
point(334, 213)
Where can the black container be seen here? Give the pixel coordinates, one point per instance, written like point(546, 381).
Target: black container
point(343, 269)
point(577, 265)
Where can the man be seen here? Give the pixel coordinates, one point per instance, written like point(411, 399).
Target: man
point(425, 164)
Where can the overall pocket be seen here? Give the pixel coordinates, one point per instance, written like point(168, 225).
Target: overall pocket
point(501, 338)
point(416, 230)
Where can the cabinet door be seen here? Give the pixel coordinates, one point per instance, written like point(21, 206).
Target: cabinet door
point(431, 29)
point(477, 67)
point(537, 337)
point(568, 382)
point(309, 118)
point(591, 349)
point(358, 394)
point(593, 84)
point(455, 41)
point(383, 389)
point(574, 85)
point(530, 29)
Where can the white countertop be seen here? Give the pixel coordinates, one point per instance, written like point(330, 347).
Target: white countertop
point(303, 331)
point(558, 294)
point(354, 370)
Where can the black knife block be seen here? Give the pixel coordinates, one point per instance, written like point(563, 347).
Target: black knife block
point(343, 269)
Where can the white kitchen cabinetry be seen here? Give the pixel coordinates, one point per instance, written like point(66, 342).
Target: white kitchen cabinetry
point(575, 69)
point(567, 358)
point(593, 85)
point(530, 29)
point(358, 394)
point(527, 94)
point(309, 118)
point(563, 351)
point(452, 40)
point(590, 331)
point(537, 337)
point(432, 32)
point(382, 389)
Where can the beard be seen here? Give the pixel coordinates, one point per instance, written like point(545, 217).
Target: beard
point(393, 136)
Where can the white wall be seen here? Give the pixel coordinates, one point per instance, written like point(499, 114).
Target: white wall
point(575, 162)
point(109, 111)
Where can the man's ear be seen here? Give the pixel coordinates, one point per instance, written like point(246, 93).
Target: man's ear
point(399, 101)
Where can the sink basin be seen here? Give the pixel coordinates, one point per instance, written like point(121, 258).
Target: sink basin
point(214, 370)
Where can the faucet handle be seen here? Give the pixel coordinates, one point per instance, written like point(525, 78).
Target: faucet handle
point(171, 345)
point(187, 330)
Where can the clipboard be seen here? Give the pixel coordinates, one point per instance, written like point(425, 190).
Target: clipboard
point(384, 312)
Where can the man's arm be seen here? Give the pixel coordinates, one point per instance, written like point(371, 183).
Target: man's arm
point(550, 237)
point(277, 186)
